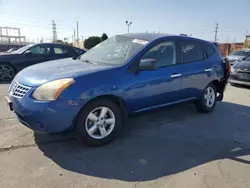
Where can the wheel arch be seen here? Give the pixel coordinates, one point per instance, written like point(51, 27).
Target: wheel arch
point(117, 100)
point(218, 85)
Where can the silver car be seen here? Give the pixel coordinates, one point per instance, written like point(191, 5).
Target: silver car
point(238, 56)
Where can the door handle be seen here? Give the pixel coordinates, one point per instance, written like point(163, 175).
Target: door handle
point(175, 75)
point(208, 70)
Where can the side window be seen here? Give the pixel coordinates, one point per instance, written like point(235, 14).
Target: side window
point(60, 50)
point(209, 49)
point(164, 54)
point(191, 51)
point(41, 50)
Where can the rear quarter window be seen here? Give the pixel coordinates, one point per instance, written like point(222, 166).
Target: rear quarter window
point(208, 49)
point(79, 51)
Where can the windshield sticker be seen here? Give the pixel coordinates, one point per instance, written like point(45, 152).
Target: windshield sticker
point(139, 41)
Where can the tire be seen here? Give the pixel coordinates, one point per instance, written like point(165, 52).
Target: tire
point(201, 104)
point(7, 69)
point(85, 121)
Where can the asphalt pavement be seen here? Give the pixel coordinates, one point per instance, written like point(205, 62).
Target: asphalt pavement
point(170, 147)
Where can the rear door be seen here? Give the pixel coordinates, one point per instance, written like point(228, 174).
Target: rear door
point(196, 68)
point(61, 51)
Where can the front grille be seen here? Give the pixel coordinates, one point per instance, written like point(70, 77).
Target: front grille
point(18, 90)
point(243, 71)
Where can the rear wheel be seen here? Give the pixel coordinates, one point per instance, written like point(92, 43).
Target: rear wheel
point(7, 72)
point(98, 123)
point(208, 100)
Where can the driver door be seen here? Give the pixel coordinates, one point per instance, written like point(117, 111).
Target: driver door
point(36, 54)
point(152, 88)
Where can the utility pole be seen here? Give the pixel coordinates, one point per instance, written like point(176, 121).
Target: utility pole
point(54, 34)
point(216, 32)
point(74, 35)
point(128, 24)
point(77, 34)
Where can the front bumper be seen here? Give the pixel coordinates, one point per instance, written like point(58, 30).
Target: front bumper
point(239, 82)
point(238, 79)
point(50, 117)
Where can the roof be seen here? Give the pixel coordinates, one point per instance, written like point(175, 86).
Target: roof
point(152, 36)
point(147, 36)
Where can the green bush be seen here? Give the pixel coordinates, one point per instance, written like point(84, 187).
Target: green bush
point(104, 37)
point(91, 42)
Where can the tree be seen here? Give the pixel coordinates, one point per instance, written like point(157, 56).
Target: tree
point(91, 42)
point(61, 42)
point(58, 41)
point(104, 37)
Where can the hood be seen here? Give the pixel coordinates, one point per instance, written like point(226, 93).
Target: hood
point(243, 65)
point(52, 70)
point(6, 56)
point(235, 57)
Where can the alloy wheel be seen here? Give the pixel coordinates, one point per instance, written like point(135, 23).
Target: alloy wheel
point(100, 122)
point(209, 97)
point(6, 72)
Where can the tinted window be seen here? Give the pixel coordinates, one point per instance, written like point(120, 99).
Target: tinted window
point(209, 49)
point(191, 51)
point(60, 50)
point(40, 50)
point(79, 51)
point(163, 53)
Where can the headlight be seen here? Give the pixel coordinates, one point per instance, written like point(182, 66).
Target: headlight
point(51, 90)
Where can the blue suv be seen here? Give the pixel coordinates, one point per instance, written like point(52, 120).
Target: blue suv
point(94, 93)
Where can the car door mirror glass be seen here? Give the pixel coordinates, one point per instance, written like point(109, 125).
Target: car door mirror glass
point(147, 64)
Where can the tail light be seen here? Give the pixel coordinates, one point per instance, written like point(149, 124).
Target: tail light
point(229, 67)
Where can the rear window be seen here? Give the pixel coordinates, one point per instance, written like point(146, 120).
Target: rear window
point(191, 51)
point(209, 49)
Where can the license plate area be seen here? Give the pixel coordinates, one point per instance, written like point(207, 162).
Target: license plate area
point(9, 103)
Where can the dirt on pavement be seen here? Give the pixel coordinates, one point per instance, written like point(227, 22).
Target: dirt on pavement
point(170, 147)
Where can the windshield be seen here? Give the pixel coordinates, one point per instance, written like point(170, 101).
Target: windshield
point(114, 51)
point(240, 53)
point(21, 50)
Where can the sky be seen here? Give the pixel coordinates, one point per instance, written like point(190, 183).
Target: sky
point(195, 17)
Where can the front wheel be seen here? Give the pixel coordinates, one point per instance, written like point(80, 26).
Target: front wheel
point(7, 72)
point(98, 123)
point(208, 100)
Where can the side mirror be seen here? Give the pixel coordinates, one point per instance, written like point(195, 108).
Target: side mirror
point(28, 52)
point(147, 64)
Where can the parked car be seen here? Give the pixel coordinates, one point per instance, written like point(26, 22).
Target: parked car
point(11, 50)
point(240, 73)
point(238, 56)
point(93, 95)
point(13, 62)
